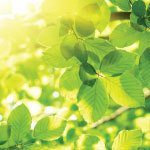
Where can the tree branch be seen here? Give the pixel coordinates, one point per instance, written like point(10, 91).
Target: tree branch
point(120, 16)
point(116, 114)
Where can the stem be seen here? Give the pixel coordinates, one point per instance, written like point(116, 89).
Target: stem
point(120, 16)
point(113, 116)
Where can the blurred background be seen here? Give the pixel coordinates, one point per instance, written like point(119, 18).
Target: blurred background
point(25, 77)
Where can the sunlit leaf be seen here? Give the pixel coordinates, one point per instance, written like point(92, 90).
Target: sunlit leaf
point(128, 140)
point(49, 128)
point(125, 90)
point(20, 122)
point(92, 101)
point(117, 62)
point(70, 82)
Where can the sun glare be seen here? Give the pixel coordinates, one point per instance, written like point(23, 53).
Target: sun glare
point(19, 7)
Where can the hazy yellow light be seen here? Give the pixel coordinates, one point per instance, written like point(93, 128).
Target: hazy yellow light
point(24, 7)
point(19, 7)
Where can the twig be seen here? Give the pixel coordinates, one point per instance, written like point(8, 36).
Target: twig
point(114, 115)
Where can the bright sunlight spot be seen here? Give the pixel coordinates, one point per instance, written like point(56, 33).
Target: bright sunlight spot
point(19, 7)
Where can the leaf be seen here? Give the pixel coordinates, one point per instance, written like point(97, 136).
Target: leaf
point(70, 83)
point(49, 128)
point(82, 3)
point(87, 74)
point(67, 46)
point(93, 59)
point(125, 90)
point(123, 4)
point(97, 12)
point(144, 67)
point(89, 142)
point(116, 62)
point(104, 17)
point(139, 8)
point(128, 140)
point(20, 122)
point(91, 13)
point(4, 133)
point(66, 23)
point(54, 58)
point(92, 101)
point(84, 27)
point(123, 30)
point(98, 46)
point(49, 36)
point(80, 52)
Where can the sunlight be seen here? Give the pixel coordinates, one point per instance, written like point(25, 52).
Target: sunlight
point(19, 7)
point(24, 7)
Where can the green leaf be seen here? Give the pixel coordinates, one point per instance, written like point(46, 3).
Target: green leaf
point(128, 140)
point(116, 62)
point(87, 74)
point(93, 101)
point(138, 23)
point(89, 142)
point(84, 27)
point(104, 17)
point(66, 23)
point(98, 46)
point(20, 122)
point(49, 128)
point(93, 59)
point(49, 36)
point(120, 32)
point(81, 4)
point(91, 13)
point(67, 46)
point(123, 4)
point(80, 52)
point(70, 83)
point(144, 67)
point(54, 58)
point(125, 90)
point(148, 10)
point(139, 8)
point(4, 133)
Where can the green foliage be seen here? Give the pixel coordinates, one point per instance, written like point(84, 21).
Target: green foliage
point(20, 122)
point(139, 8)
point(93, 100)
point(49, 128)
point(143, 67)
point(81, 68)
point(116, 62)
point(128, 140)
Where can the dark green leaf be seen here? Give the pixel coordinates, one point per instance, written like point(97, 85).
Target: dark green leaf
point(80, 52)
point(87, 74)
point(139, 8)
